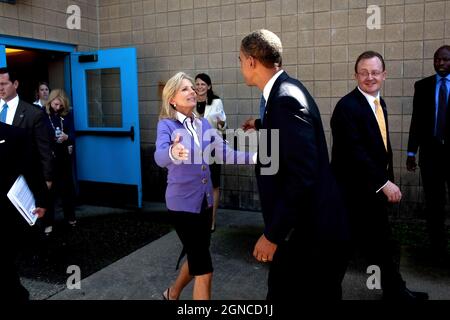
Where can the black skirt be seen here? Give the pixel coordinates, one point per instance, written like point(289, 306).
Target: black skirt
point(215, 169)
point(194, 231)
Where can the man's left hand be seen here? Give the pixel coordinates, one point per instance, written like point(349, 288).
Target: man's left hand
point(264, 249)
point(39, 212)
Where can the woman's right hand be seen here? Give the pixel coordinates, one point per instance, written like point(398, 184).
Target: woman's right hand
point(249, 124)
point(179, 152)
point(220, 123)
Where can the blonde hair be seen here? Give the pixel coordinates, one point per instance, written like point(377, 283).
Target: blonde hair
point(170, 90)
point(61, 95)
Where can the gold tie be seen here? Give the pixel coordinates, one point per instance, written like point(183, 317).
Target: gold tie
point(381, 122)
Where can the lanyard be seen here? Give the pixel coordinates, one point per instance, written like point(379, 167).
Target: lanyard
point(60, 121)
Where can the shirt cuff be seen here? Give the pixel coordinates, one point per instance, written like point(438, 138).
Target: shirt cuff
point(254, 157)
point(384, 185)
point(411, 154)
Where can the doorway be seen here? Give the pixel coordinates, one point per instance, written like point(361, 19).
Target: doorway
point(33, 66)
point(103, 88)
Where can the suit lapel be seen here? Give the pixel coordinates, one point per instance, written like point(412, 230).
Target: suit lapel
point(431, 92)
point(283, 77)
point(383, 105)
point(372, 120)
point(207, 110)
point(19, 117)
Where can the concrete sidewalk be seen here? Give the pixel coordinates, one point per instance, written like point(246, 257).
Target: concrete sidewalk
point(145, 273)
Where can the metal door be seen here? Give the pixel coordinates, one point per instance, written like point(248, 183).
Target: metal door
point(106, 112)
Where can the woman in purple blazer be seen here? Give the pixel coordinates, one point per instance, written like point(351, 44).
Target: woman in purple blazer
point(183, 145)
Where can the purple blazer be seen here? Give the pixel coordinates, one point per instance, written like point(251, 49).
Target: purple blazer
point(188, 182)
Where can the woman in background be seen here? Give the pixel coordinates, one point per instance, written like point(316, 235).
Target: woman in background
point(61, 125)
point(210, 106)
point(42, 92)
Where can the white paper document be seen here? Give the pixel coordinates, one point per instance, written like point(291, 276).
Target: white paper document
point(23, 199)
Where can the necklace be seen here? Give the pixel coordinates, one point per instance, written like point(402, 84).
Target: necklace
point(61, 123)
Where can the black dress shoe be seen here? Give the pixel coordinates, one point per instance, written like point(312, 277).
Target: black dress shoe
point(405, 295)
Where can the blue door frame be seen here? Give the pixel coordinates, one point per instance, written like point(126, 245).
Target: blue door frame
point(104, 155)
point(8, 41)
point(2, 56)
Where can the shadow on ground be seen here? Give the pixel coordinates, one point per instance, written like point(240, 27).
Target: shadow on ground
point(100, 240)
point(95, 243)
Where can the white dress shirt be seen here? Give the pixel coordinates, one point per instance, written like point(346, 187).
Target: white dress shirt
point(371, 99)
point(12, 107)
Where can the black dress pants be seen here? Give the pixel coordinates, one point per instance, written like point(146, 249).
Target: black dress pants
point(302, 270)
point(372, 240)
point(435, 173)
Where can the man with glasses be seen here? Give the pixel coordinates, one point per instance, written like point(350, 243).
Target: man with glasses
point(430, 131)
point(362, 163)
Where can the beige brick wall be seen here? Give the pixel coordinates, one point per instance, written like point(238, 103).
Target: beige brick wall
point(321, 42)
point(46, 20)
point(321, 39)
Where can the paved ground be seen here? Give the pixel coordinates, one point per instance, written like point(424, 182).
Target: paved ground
point(145, 273)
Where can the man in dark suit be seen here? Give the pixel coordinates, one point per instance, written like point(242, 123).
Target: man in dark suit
point(23, 115)
point(430, 131)
point(362, 163)
point(15, 152)
point(305, 222)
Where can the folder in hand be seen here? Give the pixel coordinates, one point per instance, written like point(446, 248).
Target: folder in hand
point(22, 198)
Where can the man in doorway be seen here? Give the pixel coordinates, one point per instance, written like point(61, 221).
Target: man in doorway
point(362, 163)
point(305, 227)
point(16, 112)
point(430, 132)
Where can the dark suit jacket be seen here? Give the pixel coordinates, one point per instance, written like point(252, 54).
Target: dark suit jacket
point(421, 131)
point(302, 195)
point(34, 122)
point(360, 161)
point(15, 150)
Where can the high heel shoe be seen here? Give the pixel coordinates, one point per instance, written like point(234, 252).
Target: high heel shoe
point(213, 228)
point(73, 223)
point(166, 294)
point(48, 230)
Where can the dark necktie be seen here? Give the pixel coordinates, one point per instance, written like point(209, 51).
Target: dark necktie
point(442, 110)
point(3, 113)
point(262, 108)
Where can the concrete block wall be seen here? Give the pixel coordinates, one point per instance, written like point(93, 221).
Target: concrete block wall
point(46, 20)
point(321, 39)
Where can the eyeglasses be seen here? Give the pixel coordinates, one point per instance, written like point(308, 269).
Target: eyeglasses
point(374, 74)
